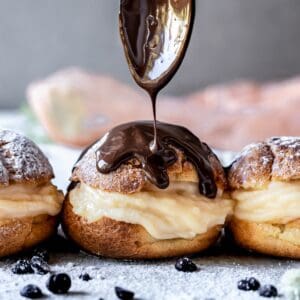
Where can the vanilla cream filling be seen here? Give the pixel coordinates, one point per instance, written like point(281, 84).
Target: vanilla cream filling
point(20, 200)
point(279, 202)
point(177, 212)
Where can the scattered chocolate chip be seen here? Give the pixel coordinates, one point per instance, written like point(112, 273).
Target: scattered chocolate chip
point(31, 291)
point(268, 291)
point(59, 283)
point(185, 264)
point(243, 285)
point(39, 266)
point(22, 266)
point(249, 284)
point(124, 294)
point(85, 277)
point(254, 283)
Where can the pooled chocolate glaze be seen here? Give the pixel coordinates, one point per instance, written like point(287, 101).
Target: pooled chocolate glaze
point(131, 141)
point(155, 36)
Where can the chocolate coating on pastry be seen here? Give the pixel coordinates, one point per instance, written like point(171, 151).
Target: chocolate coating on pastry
point(21, 160)
point(277, 158)
point(133, 140)
point(128, 169)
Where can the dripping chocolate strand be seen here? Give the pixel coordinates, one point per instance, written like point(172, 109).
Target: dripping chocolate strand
point(155, 143)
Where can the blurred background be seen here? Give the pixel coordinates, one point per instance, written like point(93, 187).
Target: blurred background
point(224, 90)
point(232, 39)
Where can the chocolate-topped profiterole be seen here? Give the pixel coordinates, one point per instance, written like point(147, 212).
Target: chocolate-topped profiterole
point(121, 211)
point(132, 140)
point(135, 192)
point(155, 36)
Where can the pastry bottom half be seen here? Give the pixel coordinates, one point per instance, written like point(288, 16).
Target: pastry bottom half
point(281, 240)
point(19, 234)
point(115, 239)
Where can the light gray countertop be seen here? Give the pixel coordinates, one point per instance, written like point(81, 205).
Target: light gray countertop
point(216, 279)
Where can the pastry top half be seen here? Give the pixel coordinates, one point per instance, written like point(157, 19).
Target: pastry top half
point(25, 180)
point(130, 177)
point(21, 161)
point(276, 159)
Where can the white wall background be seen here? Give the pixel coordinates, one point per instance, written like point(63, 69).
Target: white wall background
point(257, 39)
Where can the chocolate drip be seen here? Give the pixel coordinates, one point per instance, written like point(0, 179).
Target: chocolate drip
point(132, 140)
point(155, 36)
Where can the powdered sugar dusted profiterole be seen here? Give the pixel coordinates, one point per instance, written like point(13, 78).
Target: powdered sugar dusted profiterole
point(144, 190)
point(265, 184)
point(29, 202)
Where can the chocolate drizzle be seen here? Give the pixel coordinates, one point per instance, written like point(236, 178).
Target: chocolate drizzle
point(131, 141)
point(155, 36)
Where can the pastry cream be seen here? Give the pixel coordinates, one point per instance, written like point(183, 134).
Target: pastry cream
point(20, 200)
point(279, 202)
point(177, 212)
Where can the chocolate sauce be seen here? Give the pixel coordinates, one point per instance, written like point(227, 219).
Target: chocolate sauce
point(131, 141)
point(155, 36)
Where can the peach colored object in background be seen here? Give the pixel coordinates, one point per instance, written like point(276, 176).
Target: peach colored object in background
point(76, 108)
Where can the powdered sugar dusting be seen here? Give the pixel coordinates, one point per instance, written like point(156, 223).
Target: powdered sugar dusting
point(255, 147)
point(286, 151)
point(281, 144)
point(156, 280)
point(21, 160)
point(290, 141)
point(276, 158)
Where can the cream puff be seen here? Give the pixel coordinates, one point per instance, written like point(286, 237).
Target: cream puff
point(123, 214)
point(265, 184)
point(29, 202)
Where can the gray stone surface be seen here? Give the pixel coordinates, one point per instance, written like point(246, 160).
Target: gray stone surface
point(219, 269)
point(155, 280)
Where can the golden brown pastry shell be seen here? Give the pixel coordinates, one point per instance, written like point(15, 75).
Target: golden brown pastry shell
point(277, 159)
point(130, 178)
point(22, 161)
point(17, 235)
point(266, 238)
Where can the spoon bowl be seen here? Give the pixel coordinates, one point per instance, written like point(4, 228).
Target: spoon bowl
point(155, 36)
